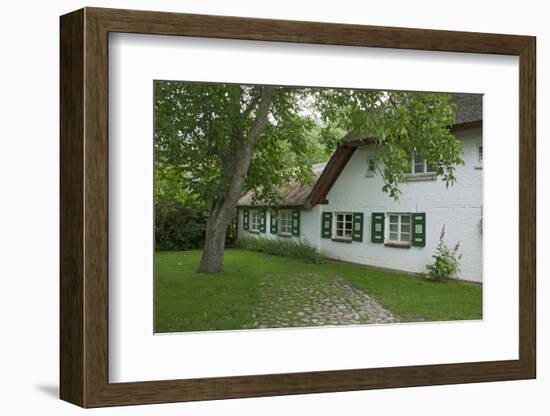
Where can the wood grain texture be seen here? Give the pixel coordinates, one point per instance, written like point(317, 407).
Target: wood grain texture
point(244, 28)
point(84, 207)
point(71, 213)
point(527, 207)
point(96, 218)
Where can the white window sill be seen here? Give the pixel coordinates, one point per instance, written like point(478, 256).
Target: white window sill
point(285, 235)
point(254, 231)
point(341, 240)
point(397, 244)
point(413, 177)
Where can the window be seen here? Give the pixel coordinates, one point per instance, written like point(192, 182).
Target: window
point(420, 166)
point(255, 220)
point(344, 226)
point(371, 166)
point(399, 228)
point(479, 155)
point(285, 222)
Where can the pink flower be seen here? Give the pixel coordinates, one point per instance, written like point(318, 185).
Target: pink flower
point(456, 247)
point(442, 236)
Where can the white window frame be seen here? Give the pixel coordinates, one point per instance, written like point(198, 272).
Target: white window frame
point(479, 152)
point(345, 222)
point(400, 225)
point(284, 220)
point(254, 224)
point(424, 164)
point(371, 162)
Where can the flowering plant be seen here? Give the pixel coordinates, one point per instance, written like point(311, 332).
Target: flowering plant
point(447, 261)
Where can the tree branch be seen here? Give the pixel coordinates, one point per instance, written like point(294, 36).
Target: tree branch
point(392, 101)
point(248, 109)
point(244, 156)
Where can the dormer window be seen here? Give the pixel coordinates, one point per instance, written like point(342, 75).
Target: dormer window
point(479, 156)
point(420, 166)
point(371, 166)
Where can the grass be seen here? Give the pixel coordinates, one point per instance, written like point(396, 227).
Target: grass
point(189, 301)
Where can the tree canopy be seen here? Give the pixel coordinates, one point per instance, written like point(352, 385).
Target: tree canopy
point(220, 140)
point(195, 125)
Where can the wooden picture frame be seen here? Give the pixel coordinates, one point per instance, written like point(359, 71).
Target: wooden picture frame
point(84, 207)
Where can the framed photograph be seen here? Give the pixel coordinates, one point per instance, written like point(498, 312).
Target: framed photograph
point(256, 207)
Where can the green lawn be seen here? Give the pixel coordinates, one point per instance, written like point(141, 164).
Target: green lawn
point(189, 301)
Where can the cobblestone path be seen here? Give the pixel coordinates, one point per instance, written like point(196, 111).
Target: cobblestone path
point(310, 299)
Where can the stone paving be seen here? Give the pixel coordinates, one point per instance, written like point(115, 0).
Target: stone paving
point(310, 299)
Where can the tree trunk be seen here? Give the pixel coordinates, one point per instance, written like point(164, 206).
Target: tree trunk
point(235, 169)
point(212, 255)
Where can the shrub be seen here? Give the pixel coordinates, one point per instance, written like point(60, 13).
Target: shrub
point(178, 225)
point(447, 261)
point(300, 250)
point(181, 225)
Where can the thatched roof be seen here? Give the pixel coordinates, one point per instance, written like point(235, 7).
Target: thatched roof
point(468, 110)
point(295, 195)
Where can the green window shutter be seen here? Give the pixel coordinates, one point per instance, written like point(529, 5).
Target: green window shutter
point(237, 214)
point(296, 222)
point(273, 221)
point(245, 219)
point(419, 229)
point(263, 219)
point(326, 225)
point(357, 234)
point(377, 227)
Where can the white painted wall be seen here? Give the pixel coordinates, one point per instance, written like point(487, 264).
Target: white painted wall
point(458, 207)
point(309, 227)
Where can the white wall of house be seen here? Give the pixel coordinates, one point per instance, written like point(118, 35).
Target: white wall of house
point(310, 221)
point(309, 227)
point(458, 207)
